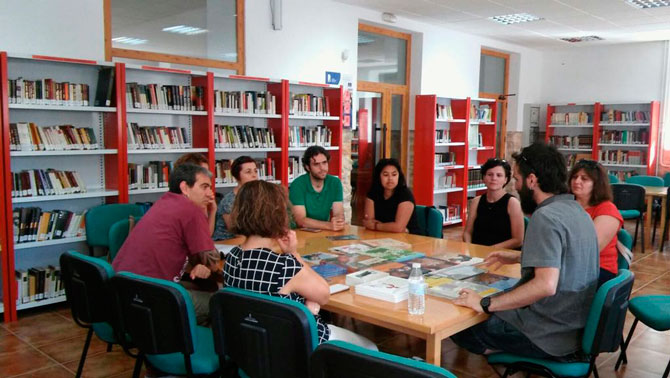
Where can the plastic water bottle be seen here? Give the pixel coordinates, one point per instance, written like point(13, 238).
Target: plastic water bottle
point(416, 303)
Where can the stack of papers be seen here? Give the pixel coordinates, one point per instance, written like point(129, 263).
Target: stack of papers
point(390, 289)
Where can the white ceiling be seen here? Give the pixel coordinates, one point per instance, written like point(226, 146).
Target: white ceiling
point(613, 20)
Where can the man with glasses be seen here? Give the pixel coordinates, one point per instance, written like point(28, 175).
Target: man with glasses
point(544, 315)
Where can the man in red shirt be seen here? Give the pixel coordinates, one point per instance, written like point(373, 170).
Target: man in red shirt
point(174, 231)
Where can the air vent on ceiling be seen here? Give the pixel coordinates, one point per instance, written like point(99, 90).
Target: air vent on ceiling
point(648, 3)
point(517, 18)
point(587, 38)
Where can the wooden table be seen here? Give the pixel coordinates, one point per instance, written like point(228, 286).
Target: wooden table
point(652, 192)
point(441, 319)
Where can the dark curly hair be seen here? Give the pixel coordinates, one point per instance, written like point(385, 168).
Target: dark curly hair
point(547, 164)
point(495, 162)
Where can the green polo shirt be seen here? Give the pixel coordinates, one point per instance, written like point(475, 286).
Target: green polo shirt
point(317, 205)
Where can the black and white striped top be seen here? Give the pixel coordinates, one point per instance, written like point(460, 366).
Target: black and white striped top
point(266, 272)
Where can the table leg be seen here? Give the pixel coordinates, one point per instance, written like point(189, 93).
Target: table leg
point(433, 349)
point(664, 201)
point(647, 223)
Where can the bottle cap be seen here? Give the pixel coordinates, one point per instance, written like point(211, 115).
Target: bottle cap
point(416, 265)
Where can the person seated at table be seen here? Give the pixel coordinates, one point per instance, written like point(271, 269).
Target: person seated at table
point(495, 218)
point(197, 158)
point(544, 314)
point(243, 170)
point(389, 205)
point(268, 262)
point(591, 187)
point(316, 194)
point(173, 233)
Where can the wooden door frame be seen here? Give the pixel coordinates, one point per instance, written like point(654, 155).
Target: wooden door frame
point(387, 90)
point(502, 103)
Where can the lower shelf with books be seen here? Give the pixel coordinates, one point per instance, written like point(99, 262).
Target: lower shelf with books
point(39, 286)
point(44, 302)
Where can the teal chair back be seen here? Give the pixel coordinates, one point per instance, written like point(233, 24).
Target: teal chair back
point(100, 219)
point(666, 179)
point(645, 180)
point(525, 222)
point(613, 179)
point(624, 237)
point(429, 220)
point(336, 359)
point(118, 234)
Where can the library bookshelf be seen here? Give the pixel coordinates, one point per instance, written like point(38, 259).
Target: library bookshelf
point(452, 137)
point(623, 137)
point(105, 170)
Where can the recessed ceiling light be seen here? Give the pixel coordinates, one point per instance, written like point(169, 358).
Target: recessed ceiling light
point(185, 29)
point(129, 40)
point(587, 38)
point(648, 3)
point(517, 18)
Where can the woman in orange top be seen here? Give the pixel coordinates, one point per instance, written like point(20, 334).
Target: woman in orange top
point(590, 185)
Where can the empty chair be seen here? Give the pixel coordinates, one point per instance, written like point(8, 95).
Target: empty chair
point(645, 180)
point(613, 179)
point(100, 219)
point(429, 220)
point(117, 235)
point(666, 179)
point(629, 199)
point(268, 336)
point(601, 334)
point(336, 359)
point(160, 319)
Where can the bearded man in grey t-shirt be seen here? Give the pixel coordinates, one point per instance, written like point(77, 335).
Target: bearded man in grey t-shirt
point(544, 314)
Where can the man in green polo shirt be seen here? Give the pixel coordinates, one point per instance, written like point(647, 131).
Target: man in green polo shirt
point(317, 196)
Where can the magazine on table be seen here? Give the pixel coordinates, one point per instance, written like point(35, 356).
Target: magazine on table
point(387, 242)
point(459, 259)
point(364, 276)
point(452, 290)
point(390, 254)
point(497, 281)
point(459, 272)
point(351, 248)
point(317, 257)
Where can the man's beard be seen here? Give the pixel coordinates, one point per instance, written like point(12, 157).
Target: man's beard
point(528, 204)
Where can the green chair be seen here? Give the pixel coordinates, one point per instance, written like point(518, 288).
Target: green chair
point(118, 234)
point(654, 312)
point(602, 333)
point(100, 219)
point(625, 239)
point(525, 222)
point(629, 199)
point(336, 359)
point(160, 318)
point(613, 179)
point(429, 220)
point(666, 179)
point(645, 180)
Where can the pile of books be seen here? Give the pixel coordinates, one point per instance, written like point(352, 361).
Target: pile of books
point(165, 97)
point(475, 180)
point(442, 136)
point(156, 137)
point(622, 157)
point(243, 137)
point(445, 158)
point(576, 141)
point(47, 92)
point(46, 182)
point(308, 104)
point(39, 283)
point(151, 175)
point(624, 136)
point(250, 102)
point(25, 136)
point(481, 113)
point(31, 224)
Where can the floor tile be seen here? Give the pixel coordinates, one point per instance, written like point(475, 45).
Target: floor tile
point(70, 349)
point(104, 364)
point(460, 360)
point(56, 371)
point(23, 361)
point(10, 343)
point(640, 360)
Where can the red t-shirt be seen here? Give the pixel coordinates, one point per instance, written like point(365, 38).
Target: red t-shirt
point(608, 256)
point(158, 246)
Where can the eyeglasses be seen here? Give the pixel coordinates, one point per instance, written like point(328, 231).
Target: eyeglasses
point(498, 160)
point(525, 160)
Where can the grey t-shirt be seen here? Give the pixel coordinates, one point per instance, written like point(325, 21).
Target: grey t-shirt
point(560, 235)
point(225, 207)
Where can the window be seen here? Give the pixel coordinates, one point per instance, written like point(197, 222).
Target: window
point(194, 32)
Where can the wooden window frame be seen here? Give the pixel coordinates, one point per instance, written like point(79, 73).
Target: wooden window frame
point(502, 103)
point(114, 52)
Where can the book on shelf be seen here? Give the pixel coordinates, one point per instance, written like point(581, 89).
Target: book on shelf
point(445, 158)
point(156, 137)
point(571, 159)
point(624, 136)
point(38, 283)
point(574, 118)
point(443, 112)
point(165, 97)
point(475, 180)
point(226, 136)
point(474, 136)
point(31, 224)
point(450, 212)
point(46, 182)
point(390, 289)
point(576, 141)
point(27, 136)
point(304, 136)
point(307, 104)
point(446, 181)
point(363, 276)
point(481, 113)
point(295, 167)
point(151, 175)
point(47, 92)
point(620, 116)
point(623, 157)
point(104, 93)
point(248, 102)
point(442, 136)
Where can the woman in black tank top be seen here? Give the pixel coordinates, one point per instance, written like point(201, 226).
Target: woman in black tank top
point(495, 218)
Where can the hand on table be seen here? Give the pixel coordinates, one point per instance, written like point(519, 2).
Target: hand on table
point(499, 258)
point(337, 223)
point(469, 298)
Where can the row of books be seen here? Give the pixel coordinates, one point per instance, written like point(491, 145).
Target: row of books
point(475, 179)
point(575, 118)
point(304, 136)
point(307, 104)
point(226, 136)
point(623, 157)
point(250, 102)
point(621, 175)
point(476, 138)
point(47, 92)
point(46, 182)
point(295, 167)
point(27, 136)
point(446, 181)
point(445, 158)
point(31, 224)
point(444, 112)
point(575, 141)
point(151, 175)
point(450, 212)
point(442, 136)
point(38, 283)
point(222, 170)
point(620, 116)
point(571, 159)
point(624, 136)
point(481, 113)
point(156, 137)
point(165, 97)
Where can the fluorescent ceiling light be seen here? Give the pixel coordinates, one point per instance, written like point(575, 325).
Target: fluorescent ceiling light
point(587, 38)
point(185, 29)
point(648, 3)
point(130, 40)
point(517, 18)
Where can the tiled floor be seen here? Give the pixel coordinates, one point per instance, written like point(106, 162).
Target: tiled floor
point(47, 343)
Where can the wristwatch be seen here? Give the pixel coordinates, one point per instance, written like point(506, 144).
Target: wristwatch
point(485, 303)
